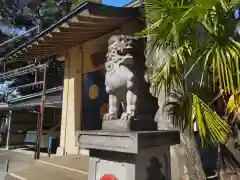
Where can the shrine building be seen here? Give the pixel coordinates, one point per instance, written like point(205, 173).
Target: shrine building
point(80, 40)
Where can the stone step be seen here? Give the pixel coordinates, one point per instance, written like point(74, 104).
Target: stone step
point(41, 171)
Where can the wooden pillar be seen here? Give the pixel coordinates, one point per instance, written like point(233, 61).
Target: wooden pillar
point(72, 101)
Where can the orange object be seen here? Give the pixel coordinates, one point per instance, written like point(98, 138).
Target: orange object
point(103, 109)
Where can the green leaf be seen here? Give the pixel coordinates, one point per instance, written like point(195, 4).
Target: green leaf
point(210, 124)
point(199, 35)
point(184, 109)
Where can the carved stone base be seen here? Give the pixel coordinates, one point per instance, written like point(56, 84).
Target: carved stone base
point(140, 155)
point(135, 125)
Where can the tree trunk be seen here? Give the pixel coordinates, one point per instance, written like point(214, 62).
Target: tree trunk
point(185, 159)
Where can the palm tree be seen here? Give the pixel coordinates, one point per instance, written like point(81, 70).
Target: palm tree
point(196, 64)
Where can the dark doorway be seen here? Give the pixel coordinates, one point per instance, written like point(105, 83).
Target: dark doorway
point(95, 100)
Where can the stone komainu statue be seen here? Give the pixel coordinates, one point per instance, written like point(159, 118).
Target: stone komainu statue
point(125, 81)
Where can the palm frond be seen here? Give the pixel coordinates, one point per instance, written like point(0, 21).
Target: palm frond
point(186, 108)
point(167, 21)
point(198, 33)
point(224, 62)
point(234, 102)
point(169, 73)
point(177, 23)
point(212, 128)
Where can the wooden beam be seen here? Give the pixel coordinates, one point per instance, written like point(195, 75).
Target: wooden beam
point(60, 37)
point(78, 39)
point(40, 50)
point(67, 34)
point(53, 44)
point(43, 55)
point(74, 19)
point(40, 54)
point(86, 24)
point(24, 49)
point(70, 34)
point(48, 48)
point(44, 51)
point(98, 19)
point(53, 48)
point(82, 29)
point(47, 51)
point(19, 52)
point(65, 25)
point(50, 41)
point(41, 39)
point(84, 20)
point(35, 43)
point(49, 35)
point(56, 30)
point(29, 46)
point(78, 24)
point(58, 41)
point(66, 29)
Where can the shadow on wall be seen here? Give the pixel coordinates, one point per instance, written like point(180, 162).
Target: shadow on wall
point(154, 171)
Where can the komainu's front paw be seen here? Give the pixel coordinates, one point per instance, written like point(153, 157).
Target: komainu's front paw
point(127, 117)
point(109, 117)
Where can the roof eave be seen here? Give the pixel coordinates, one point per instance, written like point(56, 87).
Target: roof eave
point(88, 21)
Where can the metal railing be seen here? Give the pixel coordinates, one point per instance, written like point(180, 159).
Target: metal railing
point(21, 71)
point(34, 84)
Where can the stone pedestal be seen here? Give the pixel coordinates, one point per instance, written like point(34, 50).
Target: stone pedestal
point(136, 125)
point(134, 155)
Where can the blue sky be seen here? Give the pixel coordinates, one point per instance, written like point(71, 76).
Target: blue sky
point(116, 2)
